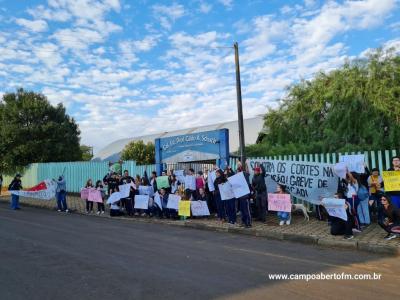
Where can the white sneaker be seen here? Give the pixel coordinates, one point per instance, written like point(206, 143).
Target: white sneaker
point(98, 212)
point(281, 223)
point(288, 222)
point(102, 212)
point(87, 211)
point(59, 210)
point(67, 210)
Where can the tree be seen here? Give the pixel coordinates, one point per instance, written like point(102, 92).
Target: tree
point(140, 152)
point(87, 152)
point(32, 130)
point(355, 107)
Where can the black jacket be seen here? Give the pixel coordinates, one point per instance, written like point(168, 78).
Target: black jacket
point(15, 185)
point(258, 183)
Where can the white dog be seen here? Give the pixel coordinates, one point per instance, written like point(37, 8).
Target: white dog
point(296, 207)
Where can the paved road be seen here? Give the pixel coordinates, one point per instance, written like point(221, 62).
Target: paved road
point(50, 255)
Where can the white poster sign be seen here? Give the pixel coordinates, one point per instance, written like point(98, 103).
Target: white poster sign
point(226, 191)
point(141, 201)
point(239, 185)
point(190, 182)
point(114, 197)
point(199, 208)
point(125, 189)
point(157, 200)
point(210, 180)
point(354, 162)
point(173, 201)
point(335, 207)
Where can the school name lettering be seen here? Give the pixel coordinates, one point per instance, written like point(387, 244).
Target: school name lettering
point(188, 139)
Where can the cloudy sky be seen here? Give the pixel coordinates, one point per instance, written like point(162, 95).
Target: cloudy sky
point(125, 68)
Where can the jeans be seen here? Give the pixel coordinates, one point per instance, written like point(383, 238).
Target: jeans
point(62, 200)
point(363, 212)
point(283, 215)
point(354, 202)
point(14, 201)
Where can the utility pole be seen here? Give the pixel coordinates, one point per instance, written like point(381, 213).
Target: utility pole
point(239, 106)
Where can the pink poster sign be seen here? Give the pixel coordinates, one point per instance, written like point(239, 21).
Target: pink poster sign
point(84, 193)
point(95, 196)
point(279, 202)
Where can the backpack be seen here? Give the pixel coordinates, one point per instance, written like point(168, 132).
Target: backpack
point(362, 193)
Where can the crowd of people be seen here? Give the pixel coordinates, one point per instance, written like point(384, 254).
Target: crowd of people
point(365, 198)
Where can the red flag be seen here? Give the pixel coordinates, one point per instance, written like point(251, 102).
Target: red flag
point(40, 187)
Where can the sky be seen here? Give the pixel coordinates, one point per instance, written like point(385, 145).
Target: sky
point(129, 68)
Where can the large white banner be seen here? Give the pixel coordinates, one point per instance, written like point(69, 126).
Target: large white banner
point(45, 190)
point(310, 181)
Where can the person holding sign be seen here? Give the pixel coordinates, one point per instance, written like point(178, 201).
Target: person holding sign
point(391, 222)
point(220, 179)
point(100, 205)
point(89, 204)
point(340, 226)
point(190, 184)
point(283, 216)
point(375, 184)
point(395, 195)
point(260, 188)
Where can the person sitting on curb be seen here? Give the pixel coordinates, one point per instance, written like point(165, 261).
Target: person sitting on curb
point(340, 226)
point(391, 221)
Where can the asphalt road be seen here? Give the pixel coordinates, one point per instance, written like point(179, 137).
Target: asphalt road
point(50, 255)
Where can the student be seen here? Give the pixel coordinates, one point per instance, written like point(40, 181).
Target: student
point(363, 207)
point(200, 182)
point(153, 181)
point(395, 195)
point(115, 209)
point(174, 184)
point(15, 185)
point(61, 194)
point(258, 184)
point(283, 216)
point(391, 221)
point(244, 202)
point(100, 206)
point(165, 212)
point(340, 226)
point(127, 202)
point(220, 204)
point(89, 204)
point(190, 185)
point(375, 184)
point(352, 198)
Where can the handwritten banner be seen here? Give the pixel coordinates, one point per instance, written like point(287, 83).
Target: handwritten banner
point(391, 180)
point(85, 193)
point(308, 181)
point(279, 202)
point(199, 208)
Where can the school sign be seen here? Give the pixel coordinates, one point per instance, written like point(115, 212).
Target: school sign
point(200, 146)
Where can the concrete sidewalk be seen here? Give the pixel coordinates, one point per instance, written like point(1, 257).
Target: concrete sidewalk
point(311, 232)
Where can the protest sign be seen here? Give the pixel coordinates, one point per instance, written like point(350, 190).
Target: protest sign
point(279, 202)
point(146, 190)
point(190, 182)
point(239, 185)
point(308, 181)
point(84, 193)
point(95, 196)
point(125, 189)
point(173, 201)
point(184, 208)
point(335, 207)
point(354, 162)
point(157, 200)
point(180, 175)
point(226, 191)
point(340, 169)
point(391, 180)
point(199, 208)
point(210, 180)
point(141, 201)
point(114, 197)
point(162, 182)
